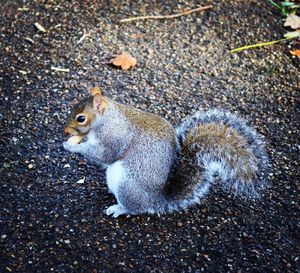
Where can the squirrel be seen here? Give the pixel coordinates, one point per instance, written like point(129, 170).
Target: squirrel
point(153, 168)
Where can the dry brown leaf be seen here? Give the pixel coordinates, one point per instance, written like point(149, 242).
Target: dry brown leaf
point(295, 52)
point(293, 21)
point(125, 60)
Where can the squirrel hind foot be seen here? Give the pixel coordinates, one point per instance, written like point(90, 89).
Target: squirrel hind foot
point(115, 210)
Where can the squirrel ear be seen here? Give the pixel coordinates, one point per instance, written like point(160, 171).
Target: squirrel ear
point(95, 90)
point(97, 101)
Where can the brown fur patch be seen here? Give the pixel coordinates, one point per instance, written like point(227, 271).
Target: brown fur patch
point(223, 142)
point(149, 123)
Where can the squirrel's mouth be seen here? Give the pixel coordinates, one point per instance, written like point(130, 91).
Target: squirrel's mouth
point(75, 137)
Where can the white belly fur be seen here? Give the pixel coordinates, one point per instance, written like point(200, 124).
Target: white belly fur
point(115, 174)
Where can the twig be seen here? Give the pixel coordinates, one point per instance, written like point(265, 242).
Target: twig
point(23, 72)
point(165, 16)
point(258, 45)
point(60, 69)
point(23, 9)
point(84, 36)
point(29, 40)
point(40, 27)
point(81, 39)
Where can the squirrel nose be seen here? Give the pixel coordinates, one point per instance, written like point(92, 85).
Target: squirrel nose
point(66, 131)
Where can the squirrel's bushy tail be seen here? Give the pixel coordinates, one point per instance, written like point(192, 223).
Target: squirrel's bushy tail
point(216, 146)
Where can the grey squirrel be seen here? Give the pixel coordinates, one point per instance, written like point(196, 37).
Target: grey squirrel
point(153, 168)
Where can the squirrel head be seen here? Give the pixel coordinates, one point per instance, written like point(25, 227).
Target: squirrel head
point(84, 113)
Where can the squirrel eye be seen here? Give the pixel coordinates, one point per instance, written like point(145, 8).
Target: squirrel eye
point(80, 118)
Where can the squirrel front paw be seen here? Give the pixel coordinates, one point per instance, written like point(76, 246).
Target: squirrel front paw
point(115, 210)
point(70, 146)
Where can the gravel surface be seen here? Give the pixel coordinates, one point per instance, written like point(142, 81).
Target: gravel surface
point(51, 223)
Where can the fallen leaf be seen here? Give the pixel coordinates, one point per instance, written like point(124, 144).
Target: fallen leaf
point(295, 52)
point(293, 21)
point(80, 181)
point(40, 27)
point(125, 60)
point(292, 34)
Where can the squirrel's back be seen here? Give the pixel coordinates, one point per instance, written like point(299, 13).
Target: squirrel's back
point(149, 123)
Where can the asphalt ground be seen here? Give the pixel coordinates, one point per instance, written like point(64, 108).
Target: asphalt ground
point(51, 223)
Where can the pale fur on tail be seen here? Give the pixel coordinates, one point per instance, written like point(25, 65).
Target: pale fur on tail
point(223, 148)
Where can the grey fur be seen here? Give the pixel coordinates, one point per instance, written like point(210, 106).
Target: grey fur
point(147, 162)
point(148, 166)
